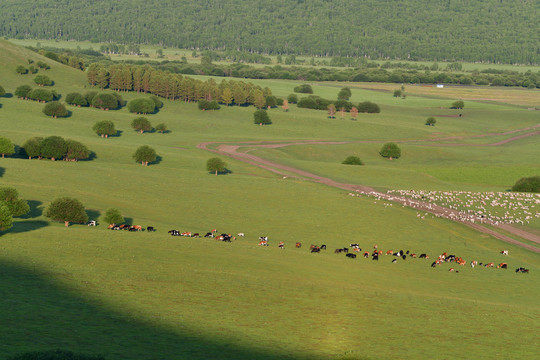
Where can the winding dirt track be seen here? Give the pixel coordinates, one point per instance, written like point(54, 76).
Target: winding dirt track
point(232, 151)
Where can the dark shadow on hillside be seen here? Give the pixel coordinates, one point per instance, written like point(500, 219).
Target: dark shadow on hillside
point(2, 171)
point(157, 161)
point(43, 315)
point(224, 172)
point(91, 156)
point(35, 210)
point(7, 95)
point(93, 214)
point(26, 226)
point(0, 106)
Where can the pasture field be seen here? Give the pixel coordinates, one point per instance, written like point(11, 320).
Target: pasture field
point(152, 296)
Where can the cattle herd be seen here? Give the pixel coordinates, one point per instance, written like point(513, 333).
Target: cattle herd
point(350, 251)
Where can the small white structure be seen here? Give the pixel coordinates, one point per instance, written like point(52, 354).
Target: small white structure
point(440, 86)
point(92, 223)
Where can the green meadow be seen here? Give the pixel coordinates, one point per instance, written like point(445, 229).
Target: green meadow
point(152, 296)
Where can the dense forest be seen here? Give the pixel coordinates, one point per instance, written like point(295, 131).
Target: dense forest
point(501, 31)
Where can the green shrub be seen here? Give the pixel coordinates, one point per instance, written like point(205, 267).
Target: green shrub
point(352, 160)
point(303, 89)
point(292, 98)
point(527, 184)
point(76, 151)
point(76, 99)
point(104, 128)
point(141, 124)
point(32, 147)
point(368, 107)
point(53, 147)
point(43, 80)
point(21, 70)
point(41, 95)
point(142, 106)
point(145, 154)
point(458, 105)
point(105, 101)
point(6, 146)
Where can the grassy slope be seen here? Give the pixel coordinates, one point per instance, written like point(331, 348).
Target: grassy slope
point(152, 296)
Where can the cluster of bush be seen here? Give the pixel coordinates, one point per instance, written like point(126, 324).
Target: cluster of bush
point(55, 148)
point(10, 206)
point(39, 94)
point(208, 105)
point(317, 103)
point(527, 184)
point(103, 101)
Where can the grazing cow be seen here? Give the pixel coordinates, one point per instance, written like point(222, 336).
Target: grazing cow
point(356, 249)
point(394, 261)
point(407, 252)
point(504, 252)
point(522, 270)
point(263, 243)
point(398, 254)
point(281, 245)
point(451, 270)
point(323, 247)
point(337, 251)
point(474, 263)
point(423, 256)
point(241, 234)
point(196, 235)
point(263, 238)
point(366, 254)
point(354, 245)
point(413, 256)
point(316, 249)
point(209, 235)
point(434, 264)
point(346, 250)
point(298, 244)
point(111, 226)
point(352, 256)
point(375, 256)
point(404, 257)
point(502, 266)
point(489, 264)
point(92, 223)
point(389, 252)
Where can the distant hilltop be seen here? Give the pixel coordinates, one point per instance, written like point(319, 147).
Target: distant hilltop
point(448, 30)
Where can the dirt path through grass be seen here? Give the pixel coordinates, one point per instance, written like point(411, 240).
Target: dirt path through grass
point(472, 221)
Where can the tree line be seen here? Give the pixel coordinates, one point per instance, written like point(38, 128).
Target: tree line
point(450, 30)
point(145, 79)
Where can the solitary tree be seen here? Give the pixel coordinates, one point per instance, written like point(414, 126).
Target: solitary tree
point(10, 197)
point(145, 154)
point(285, 105)
point(21, 69)
point(390, 151)
point(344, 94)
point(261, 117)
point(6, 146)
point(354, 112)
point(141, 124)
point(55, 109)
point(459, 104)
point(113, 216)
point(104, 128)
point(430, 121)
point(161, 128)
point(32, 147)
point(352, 160)
point(22, 91)
point(292, 98)
point(53, 147)
point(43, 80)
point(331, 111)
point(215, 165)
point(68, 210)
point(397, 93)
point(6, 220)
point(76, 151)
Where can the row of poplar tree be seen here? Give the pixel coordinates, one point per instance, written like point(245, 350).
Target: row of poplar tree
point(145, 79)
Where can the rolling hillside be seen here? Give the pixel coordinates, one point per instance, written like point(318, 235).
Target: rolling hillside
point(450, 30)
point(142, 295)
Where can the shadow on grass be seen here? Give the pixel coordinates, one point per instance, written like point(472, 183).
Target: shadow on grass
point(224, 172)
point(45, 315)
point(2, 171)
point(91, 156)
point(26, 226)
point(35, 210)
point(93, 214)
point(157, 161)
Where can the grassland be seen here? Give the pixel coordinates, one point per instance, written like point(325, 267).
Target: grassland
point(152, 296)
